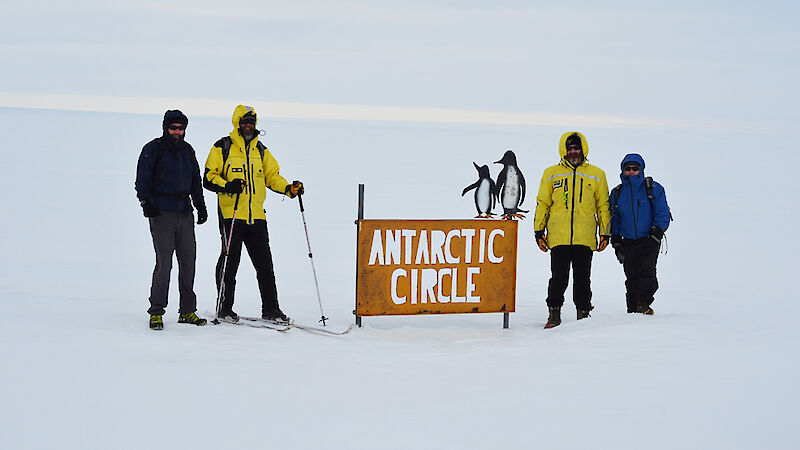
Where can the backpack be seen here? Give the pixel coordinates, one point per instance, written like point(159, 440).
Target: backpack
point(648, 185)
point(225, 145)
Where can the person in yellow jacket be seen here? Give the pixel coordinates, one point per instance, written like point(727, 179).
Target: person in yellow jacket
point(240, 169)
point(571, 208)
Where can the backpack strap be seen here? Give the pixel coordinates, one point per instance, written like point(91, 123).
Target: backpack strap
point(648, 185)
point(159, 148)
point(261, 149)
point(615, 193)
point(225, 144)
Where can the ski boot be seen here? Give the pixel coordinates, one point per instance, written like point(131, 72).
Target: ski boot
point(276, 315)
point(228, 315)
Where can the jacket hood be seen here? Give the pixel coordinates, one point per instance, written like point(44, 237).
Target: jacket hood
point(173, 116)
point(629, 158)
point(239, 112)
point(632, 157)
point(562, 146)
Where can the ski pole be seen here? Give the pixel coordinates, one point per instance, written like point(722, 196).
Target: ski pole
point(225, 260)
point(311, 257)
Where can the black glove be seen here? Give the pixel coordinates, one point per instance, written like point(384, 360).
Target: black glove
point(616, 242)
point(619, 253)
point(235, 186)
point(202, 216)
point(294, 189)
point(656, 233)
point(149, 209)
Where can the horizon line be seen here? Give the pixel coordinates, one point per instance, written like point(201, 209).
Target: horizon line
point(353, 112)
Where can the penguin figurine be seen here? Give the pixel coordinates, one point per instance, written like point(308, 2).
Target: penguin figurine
point(484, 192)
point(510, 187)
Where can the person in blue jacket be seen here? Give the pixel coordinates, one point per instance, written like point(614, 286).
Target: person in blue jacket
point(167, 183)
point(639, 217)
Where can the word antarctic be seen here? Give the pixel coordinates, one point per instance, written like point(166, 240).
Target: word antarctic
point(426, 285)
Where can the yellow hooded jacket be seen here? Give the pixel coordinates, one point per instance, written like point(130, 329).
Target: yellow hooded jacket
point(572, 203)
point(244, 162)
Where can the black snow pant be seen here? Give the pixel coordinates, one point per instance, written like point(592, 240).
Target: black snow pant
point(639, 264)
point(173, 232)
point(256, 238)
point(580, 258)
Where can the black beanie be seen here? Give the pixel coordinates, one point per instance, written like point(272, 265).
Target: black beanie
point(249, 115)
point(174, 116)
point(573, 139)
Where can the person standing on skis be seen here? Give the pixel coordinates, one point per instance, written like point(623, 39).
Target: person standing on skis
point(572, 205)
point(639, 217)
point(167, 175)
point(240, 169)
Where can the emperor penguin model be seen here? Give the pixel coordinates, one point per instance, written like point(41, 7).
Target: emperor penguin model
point(510, 187)
point(484, 192)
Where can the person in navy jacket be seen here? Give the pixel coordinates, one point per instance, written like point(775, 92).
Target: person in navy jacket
point(167, 183)
point(639, 218)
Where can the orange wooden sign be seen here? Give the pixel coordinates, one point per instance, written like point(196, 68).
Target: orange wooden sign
point(436, 266)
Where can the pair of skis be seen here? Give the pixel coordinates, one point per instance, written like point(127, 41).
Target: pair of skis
point(252, 324)
point(292, 324)
point(258, 322)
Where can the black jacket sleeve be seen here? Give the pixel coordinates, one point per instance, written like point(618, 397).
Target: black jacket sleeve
point(197, 182)
point(144, 171)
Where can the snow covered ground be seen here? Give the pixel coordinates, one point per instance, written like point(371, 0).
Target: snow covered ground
point(714, 368)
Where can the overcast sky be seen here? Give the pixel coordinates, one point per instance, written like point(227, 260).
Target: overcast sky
point(663, 62)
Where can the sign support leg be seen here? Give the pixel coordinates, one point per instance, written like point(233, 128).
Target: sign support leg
point(360, 217)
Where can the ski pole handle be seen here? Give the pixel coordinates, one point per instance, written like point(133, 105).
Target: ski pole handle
point(300, 199)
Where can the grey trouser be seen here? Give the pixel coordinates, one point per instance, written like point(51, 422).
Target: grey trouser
point(173, 232)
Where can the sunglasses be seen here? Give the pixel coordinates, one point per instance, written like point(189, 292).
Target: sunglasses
point(177, 127)
point(573, 147)
point(631, 168)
